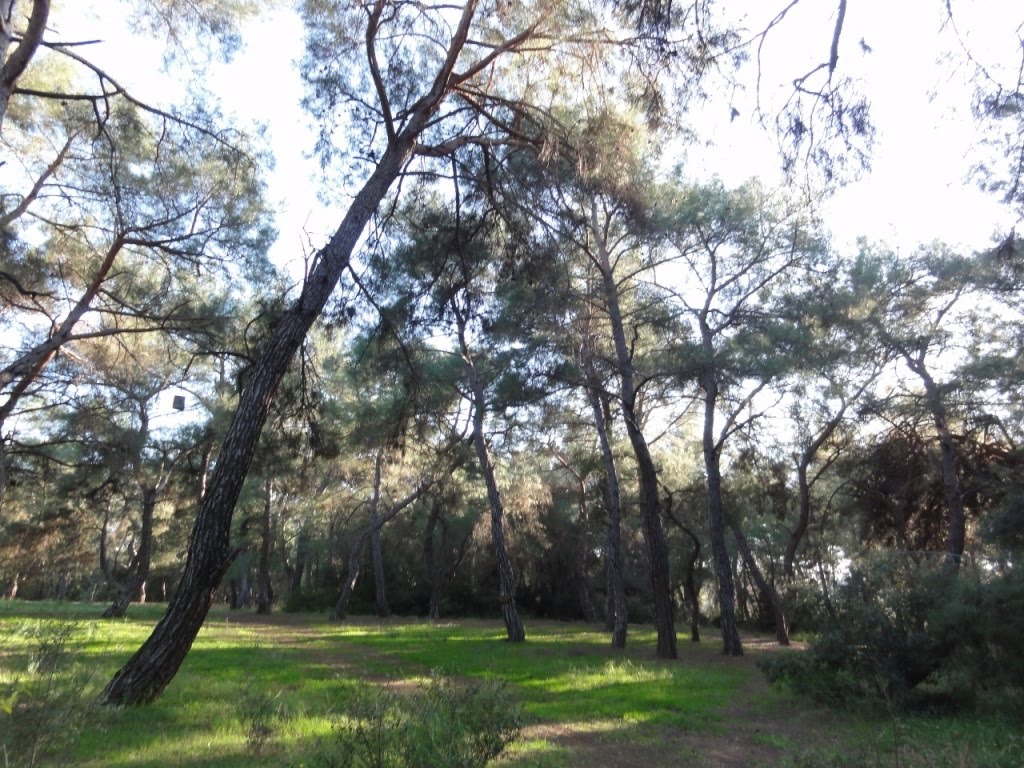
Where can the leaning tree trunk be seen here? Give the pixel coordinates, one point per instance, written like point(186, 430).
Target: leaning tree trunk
point(355, 559)
point(650, 504)
point(731, 644)
point(134, 587)
point(12, 66)
point(769, 594)
point(154, 665)
point(690, 591)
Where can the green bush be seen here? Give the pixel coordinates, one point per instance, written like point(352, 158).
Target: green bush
point(259, 712)
point(900, 624)
point(44, 705)
point(448, 724)
point(310, 601)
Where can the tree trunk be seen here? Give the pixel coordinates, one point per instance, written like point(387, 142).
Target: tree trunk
point(264, 590)
point(506, 577)
point(803, 517)
point(377, 555)
point(615, 614)
point(12, 66)
point(63, 583)
point(135, 583)
point(583, 582)
point(154, 665)
point(804, 481)
point(956, 538)
point(440, 575)
point(355, 559)
point(690, 591)
point(769, 594)
point(650, 504)
point(433, 568)
point(301, 556)
point(731, 644)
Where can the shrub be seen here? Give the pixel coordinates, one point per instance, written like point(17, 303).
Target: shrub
point(448, 724)
point(900, 623)
point(259, 712)
point(310, 601)
point(44, 706)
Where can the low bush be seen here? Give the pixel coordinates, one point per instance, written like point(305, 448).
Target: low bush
point(45, 700)
point(448, 724)
point(310, 601)
point(260, 713)
point(899, 624)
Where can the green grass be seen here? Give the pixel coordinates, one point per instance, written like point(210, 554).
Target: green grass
point(573, 688)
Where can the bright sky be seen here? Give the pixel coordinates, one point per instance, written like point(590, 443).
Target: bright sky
point(916, 191)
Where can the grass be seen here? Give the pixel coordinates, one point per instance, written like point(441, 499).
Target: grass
point(586, 703)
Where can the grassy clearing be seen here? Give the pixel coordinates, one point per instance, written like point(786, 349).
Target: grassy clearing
point(295, 679)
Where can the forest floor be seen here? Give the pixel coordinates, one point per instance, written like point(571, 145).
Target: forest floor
point(585, 704)
point(756, 728)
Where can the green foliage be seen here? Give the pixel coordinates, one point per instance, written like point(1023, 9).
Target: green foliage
point(449, 724)
point(310, 601)
point(908, 634)
point(44, 705)
point(260, 712)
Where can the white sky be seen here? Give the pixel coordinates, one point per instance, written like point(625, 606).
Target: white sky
point(915, 193)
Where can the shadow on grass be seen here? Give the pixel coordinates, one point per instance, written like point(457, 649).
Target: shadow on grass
point(565, 676)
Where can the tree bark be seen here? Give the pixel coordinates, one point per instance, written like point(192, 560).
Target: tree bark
point(731, 644)
point(690, 591)
point(690, 587)
point(355, 559)
point(650, 504)
point(139, 568)
point(768, 592)
point(617, 617)
point(433, 567)
point(264, 589)
point(956, 537)
point(298, 571)
point(440, 575)
point(154, 665)
point(506, 577)
point(14, 65)
point(376, 552)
